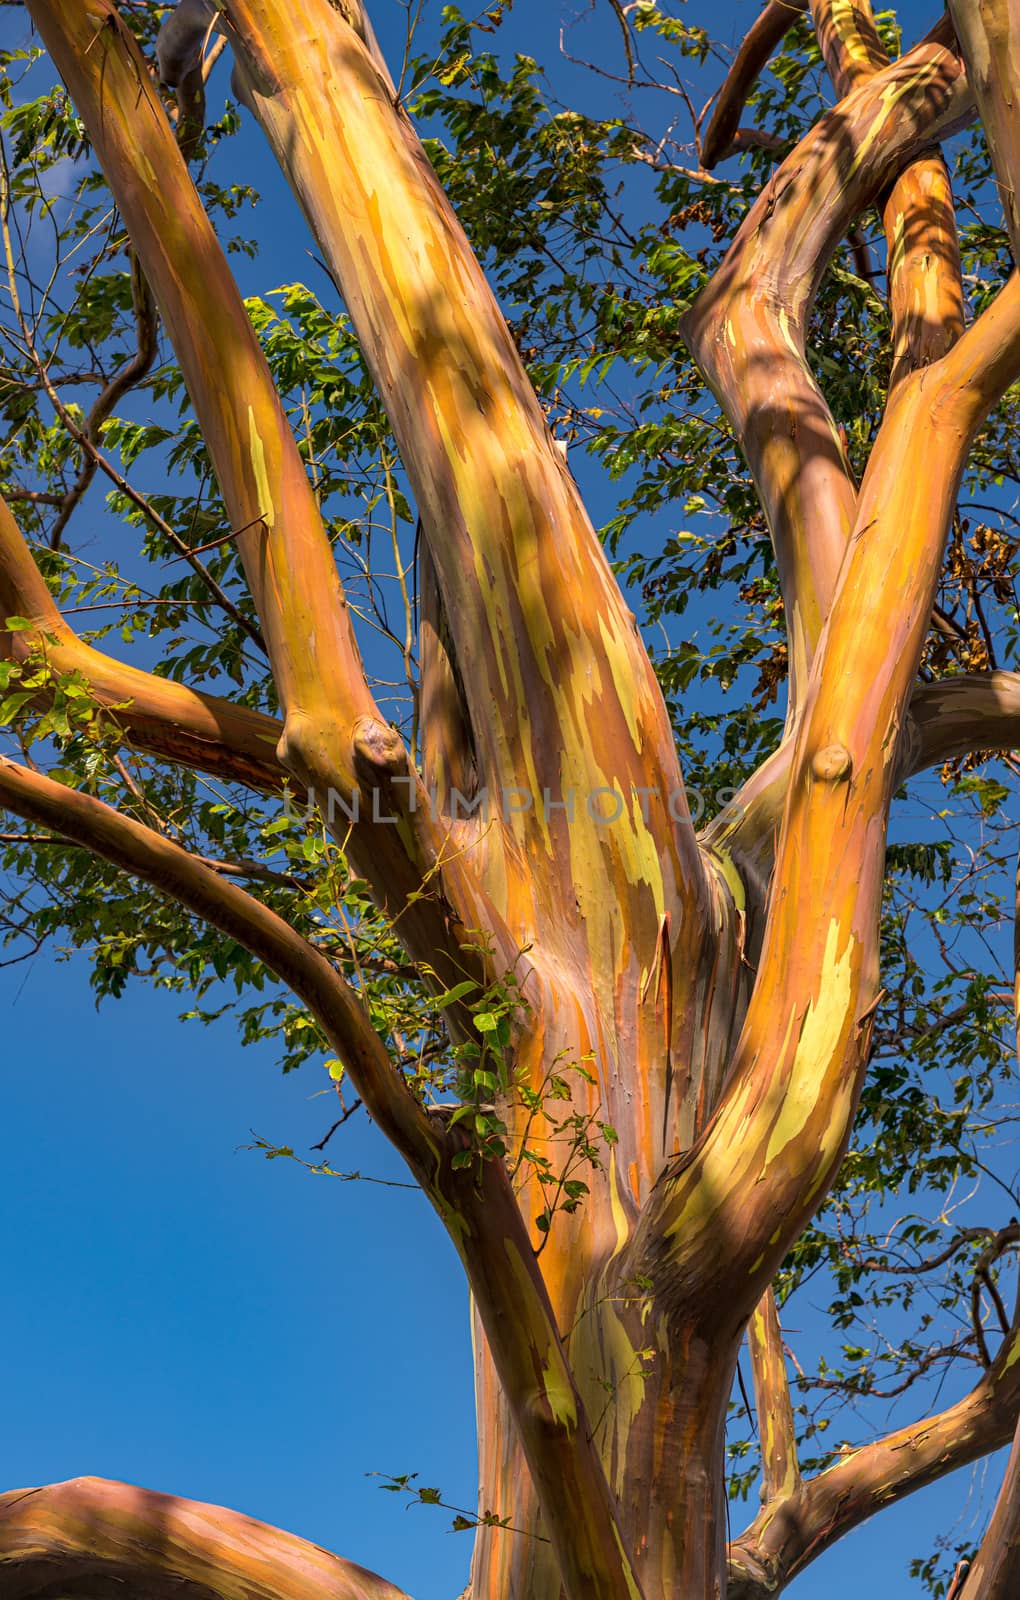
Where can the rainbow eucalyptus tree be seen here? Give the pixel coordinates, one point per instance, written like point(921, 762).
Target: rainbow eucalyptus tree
point(622, 1057)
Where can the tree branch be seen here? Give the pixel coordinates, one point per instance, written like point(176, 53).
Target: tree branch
point(790, 1533)
point(195, 730)
point(922, 249)
point(989, 35)
point(722, 1219)
point(995, 1571)
point(113, 1539)
point(475, 1201)
point(849, 42)
point(923, 254)
point(334, 740)
point(748, 328)
point(525, 585)
point(766, 32)
point(205, 892)
point(285, 551)
point(957, 716)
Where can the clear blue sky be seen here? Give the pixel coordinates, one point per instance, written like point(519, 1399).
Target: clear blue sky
point(188, 1316)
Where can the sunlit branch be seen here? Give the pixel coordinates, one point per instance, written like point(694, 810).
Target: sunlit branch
point(995, 1571)
point(923, 253)
point(195, 730)
point(334, 740)
point(284, 548)
point(111, 1538)
point(784, 1120)
point(526, 588)
point(980, 367)
point(849, 41)
point(748, 328)
point(959, 715)
point(922, 249)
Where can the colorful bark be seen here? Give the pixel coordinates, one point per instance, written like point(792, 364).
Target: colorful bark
point(723, 993)
point(777, 1431)
point(995, 1571)
point(747, 331)
point(90, 1535)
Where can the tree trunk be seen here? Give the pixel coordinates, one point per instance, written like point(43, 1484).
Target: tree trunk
point(687, 1021)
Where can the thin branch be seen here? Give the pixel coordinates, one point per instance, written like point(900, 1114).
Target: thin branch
point(788, 1535)
point(196, 730)
point(155, 859)
point(769, 28)
point(122, 382)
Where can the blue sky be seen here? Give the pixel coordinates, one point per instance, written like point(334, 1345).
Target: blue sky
point(186, 1315)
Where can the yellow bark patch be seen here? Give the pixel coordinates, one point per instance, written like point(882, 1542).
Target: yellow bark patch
point(730, 876)
point(632, 1589)
point(619, 1215)
point(559, 1395)
point(823, 1022)
point(267, 511)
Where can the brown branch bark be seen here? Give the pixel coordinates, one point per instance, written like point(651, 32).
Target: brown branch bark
point(747, 331)
point(777, 1432)
point(769, 28)
point(141, 851)
point(793, 1531)
point(105, 1539)
point(195, 730)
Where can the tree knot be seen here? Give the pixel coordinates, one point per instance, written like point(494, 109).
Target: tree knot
point(832, 764)
point(378, 748)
